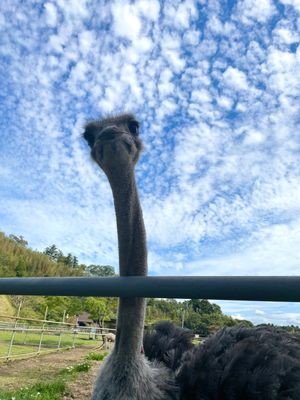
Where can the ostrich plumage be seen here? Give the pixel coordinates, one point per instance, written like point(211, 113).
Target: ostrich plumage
point(236, 363)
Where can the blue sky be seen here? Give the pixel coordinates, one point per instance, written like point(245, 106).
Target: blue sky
point(215, 85)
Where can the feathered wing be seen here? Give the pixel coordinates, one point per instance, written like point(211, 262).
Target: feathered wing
point(234, 364)
point(167, 344)
point(242, 364)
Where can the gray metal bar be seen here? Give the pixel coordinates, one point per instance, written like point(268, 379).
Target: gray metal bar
point(264, 288)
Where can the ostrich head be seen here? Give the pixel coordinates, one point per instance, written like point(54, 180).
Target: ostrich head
point(115, 143)
point(115, 147)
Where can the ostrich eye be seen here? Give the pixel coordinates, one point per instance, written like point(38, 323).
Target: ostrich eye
point(89, 136)
point(133, 127)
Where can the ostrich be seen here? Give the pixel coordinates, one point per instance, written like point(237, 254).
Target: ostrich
point(127, 374)
point(233, 364)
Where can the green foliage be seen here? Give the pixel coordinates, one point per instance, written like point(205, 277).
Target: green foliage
point(199, 315)
point(74, 370)
point(162, 309)
point(47, 391)
point(19, 240)
point(203, 306)
point(17, 260)
point(42, 391)
point(57, 256)
point(96, 356)
point(101, 309)
point(100, 270)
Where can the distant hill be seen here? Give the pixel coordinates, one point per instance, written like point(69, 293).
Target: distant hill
point(17, 260)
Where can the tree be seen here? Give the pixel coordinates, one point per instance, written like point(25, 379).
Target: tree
point(101, 270)
point(194, 321)
point(19, 240)
point(53, 252)
point(204, 307)
point(101, 309)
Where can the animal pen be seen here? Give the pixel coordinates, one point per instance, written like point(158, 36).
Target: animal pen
point(31, 337)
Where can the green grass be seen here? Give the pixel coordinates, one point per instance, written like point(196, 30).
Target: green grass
point(42, 391)
point(47, 391)
point(96, 356)
point(5, 307)
point(26, 344)
point(74, 370)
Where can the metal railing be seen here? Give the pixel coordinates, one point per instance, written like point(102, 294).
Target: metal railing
point(259, 288)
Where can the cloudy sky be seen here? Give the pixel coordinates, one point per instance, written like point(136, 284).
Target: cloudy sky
point(215, 85)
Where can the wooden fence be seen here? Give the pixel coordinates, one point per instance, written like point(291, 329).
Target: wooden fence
point(31, 337)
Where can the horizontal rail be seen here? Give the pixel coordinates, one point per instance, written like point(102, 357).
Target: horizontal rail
point(260, 288)
point(36, 320)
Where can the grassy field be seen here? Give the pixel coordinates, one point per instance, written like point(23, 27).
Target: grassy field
point(56, 376)
point(28, 343)
point(54, 389)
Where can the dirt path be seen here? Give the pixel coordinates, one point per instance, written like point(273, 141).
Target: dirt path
point(81, 389)
point(24, 373)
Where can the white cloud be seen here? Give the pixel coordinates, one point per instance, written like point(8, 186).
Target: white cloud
point(87, 42)
point(51, 14)
point(225, 102)
point(148, 9)
point(256, 10)
point(238, 316)
point(294, 3)
point(180, 15)
point(235, 78)
point(286, 35)
point(127, 22)
point(254, 137)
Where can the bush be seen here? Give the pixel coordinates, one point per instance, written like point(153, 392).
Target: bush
point(96, 356)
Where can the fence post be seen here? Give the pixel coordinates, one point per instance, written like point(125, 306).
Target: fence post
point(42, 331)
point(26, 332)
point(60, 333)
point(74, 333)
point(14, 332)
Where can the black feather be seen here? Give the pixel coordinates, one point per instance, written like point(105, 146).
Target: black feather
point(167, 344)
point(234, 364)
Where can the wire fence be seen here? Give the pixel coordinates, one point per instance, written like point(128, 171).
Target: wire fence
point(28, 337)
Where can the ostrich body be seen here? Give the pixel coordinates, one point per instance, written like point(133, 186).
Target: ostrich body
point(127, 374)
point(233, 364)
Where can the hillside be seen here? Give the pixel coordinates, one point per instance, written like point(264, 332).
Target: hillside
point(16, 259)
point(6, 307)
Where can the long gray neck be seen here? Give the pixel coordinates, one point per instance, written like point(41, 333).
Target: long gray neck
point(132, 259)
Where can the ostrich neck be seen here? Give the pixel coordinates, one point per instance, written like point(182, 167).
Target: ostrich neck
point(132, 260)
